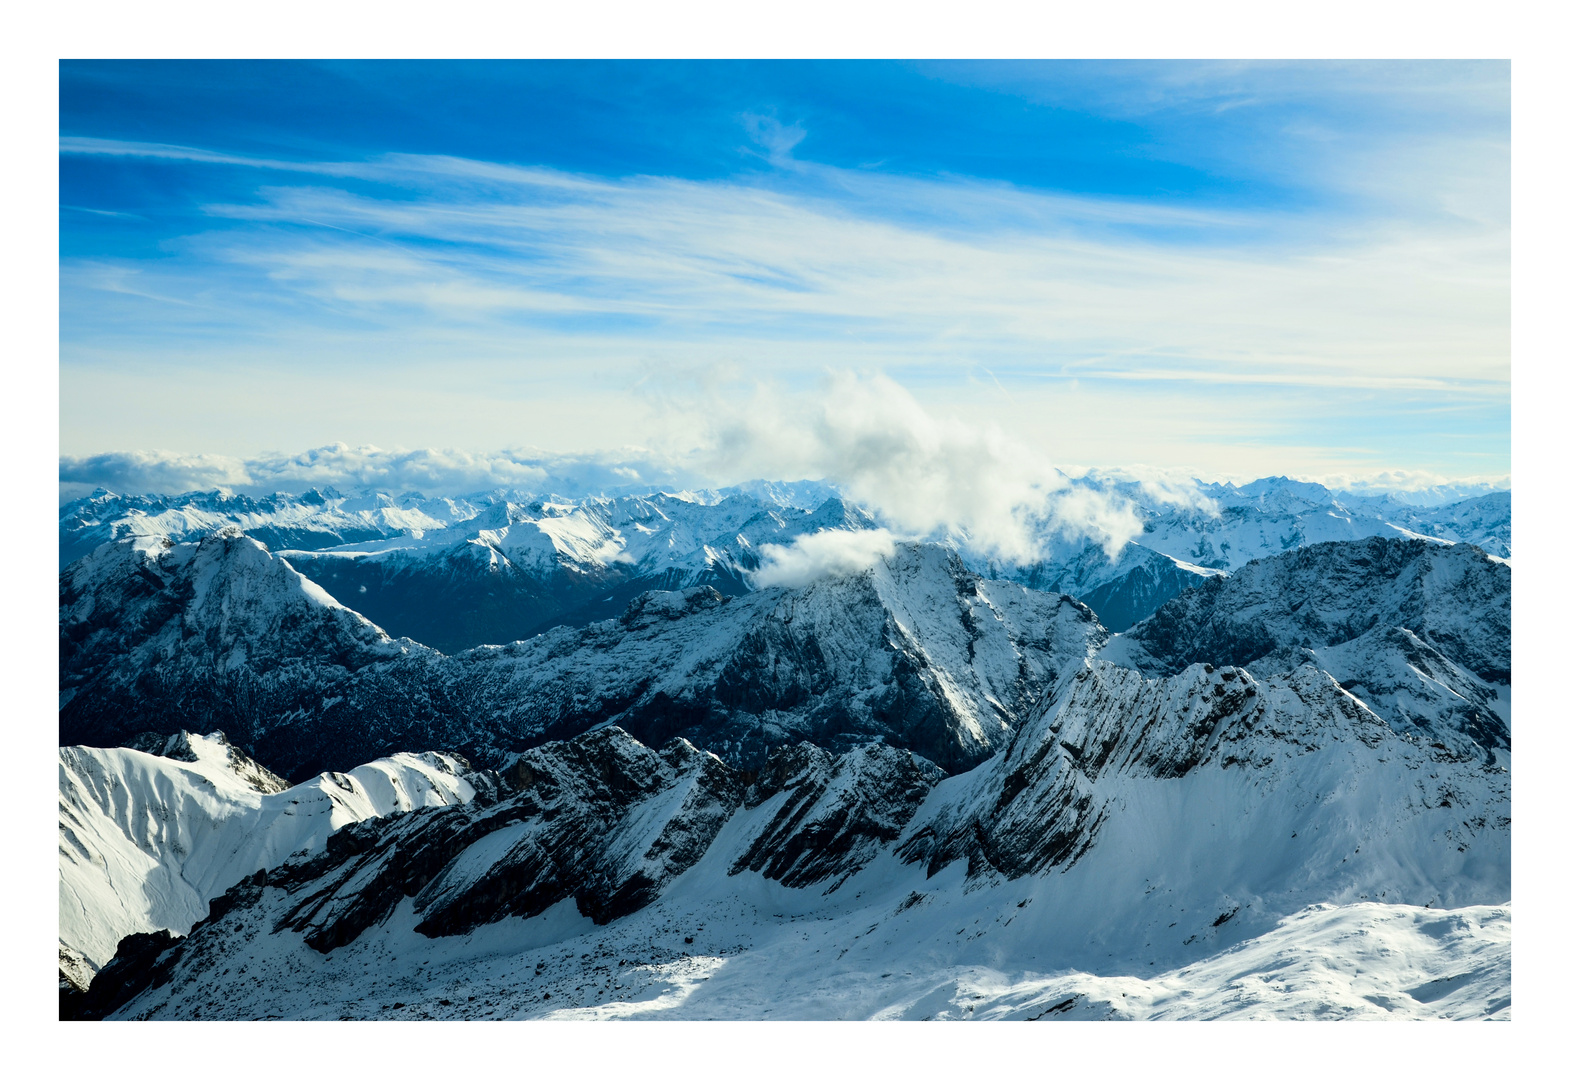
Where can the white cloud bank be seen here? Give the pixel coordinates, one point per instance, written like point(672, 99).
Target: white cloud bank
point(432, 472)
point(459, 302)
point(923, 475)
point(826, 554)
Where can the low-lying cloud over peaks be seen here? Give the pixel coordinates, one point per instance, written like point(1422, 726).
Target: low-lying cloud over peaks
point(816, 556)
point(923, 475)
point(920, 474)
point(161, 471)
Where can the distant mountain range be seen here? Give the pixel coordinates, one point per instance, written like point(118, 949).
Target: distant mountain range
point(493, 568)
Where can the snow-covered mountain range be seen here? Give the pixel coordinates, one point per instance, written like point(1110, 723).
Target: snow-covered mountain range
point(220, 634)
point(930, 787)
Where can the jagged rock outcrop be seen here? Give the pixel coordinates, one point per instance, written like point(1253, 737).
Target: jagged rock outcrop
point(315, 518)
point(1206, 803)
point(1419, 631)
point(605, 822)
point(214, 751)
point(1042, 803)
point(1149, 805)
point(494, 567)
point(564, 835)
point(516, 570)
point(160, 637)
point(142, 962)
point(1121, 590)
point(831, 815)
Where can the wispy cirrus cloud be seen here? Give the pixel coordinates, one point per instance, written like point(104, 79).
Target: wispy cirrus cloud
point(1080, 287)
point(1359, 322)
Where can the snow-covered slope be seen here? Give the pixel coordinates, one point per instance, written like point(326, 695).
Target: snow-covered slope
point(1227, 526)
point(1176, 840)
point(147, 840)
point(144, 605)
point(1284, 793)
point(1217, 528)
point(916, 651)
point(1121, 590)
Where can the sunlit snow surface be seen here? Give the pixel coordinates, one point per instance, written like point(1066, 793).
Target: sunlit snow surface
point(146, 841)
point(1324, 867)
point(749, 959)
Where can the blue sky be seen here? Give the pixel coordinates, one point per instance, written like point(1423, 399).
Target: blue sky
point(1230, 269)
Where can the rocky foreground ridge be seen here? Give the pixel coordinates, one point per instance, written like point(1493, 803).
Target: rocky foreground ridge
point(1321, 801)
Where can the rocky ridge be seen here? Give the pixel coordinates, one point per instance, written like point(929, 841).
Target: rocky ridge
point(494, 567)
point(1419, 631)
point(916, 651)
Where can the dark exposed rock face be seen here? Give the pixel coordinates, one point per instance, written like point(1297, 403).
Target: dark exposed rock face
point(177, 747)
point(1044, 802)
point(1121, 592)
point(498, 578)
point(1123, 601)
point(560, 835)
point(142, 962)
point(221, 635)
point(160, 638)
point(609, 825)
point(1040, 808)
point(836, 813)
point(1419, 631)
point(601, 820)
point(461, 598)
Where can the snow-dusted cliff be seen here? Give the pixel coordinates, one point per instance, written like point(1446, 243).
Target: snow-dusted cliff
point(1419, 631)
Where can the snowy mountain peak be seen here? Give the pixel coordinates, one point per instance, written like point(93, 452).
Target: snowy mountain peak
point(1420, 632)
point(213, 751)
